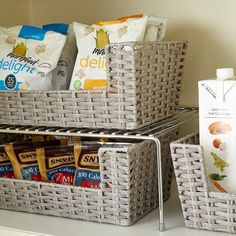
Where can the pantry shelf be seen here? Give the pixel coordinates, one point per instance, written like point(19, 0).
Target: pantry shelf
point(152, 132)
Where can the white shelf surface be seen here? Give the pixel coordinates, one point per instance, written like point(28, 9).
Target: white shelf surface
point(26, 224)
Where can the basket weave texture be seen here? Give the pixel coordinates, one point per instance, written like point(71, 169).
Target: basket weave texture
point(144, 87)
point(128, 188)
point(202, 209)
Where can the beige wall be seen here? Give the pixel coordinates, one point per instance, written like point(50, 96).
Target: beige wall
point(208, 25)
point(13, 12)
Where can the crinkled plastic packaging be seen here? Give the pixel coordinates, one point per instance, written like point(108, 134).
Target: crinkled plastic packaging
point(90, 69)
point(155, 28)
point(63, 72)
point(23, 158)
point(6, 169)
point(28, 55)
point(57, 164)
point(87, 173)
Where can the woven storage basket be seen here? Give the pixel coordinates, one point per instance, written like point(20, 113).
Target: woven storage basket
point(202, 209)
point(128, 188)
point(144, 87)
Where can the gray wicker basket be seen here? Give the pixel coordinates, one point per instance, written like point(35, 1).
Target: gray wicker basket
point(144, 87)
point(128, 190)
point(202, 209)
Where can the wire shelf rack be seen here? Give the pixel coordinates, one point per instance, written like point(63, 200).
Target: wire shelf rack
point(152, 132)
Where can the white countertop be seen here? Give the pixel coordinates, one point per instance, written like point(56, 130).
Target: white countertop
point(26, 224)
point(4, 231)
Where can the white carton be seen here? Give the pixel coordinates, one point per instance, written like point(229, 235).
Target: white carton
point(217, 117)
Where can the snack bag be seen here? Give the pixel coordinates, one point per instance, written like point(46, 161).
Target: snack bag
point(63, 72)
point(23, 158)
point(27, 56)
point(87, 173)
point(5, 164)
point(57, 164)
point(155, 29)
point(89, 71)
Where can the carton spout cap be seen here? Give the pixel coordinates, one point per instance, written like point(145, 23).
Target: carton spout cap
point(224, 73)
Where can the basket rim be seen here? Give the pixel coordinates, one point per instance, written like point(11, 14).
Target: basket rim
point(134, 43)
point(54, 185)
point(179, 142)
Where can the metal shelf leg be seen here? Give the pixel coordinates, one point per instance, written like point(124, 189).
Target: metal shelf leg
point(160, 186)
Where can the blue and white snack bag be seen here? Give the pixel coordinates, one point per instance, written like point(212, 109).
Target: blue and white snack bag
point(27, 56)
point(63, 72)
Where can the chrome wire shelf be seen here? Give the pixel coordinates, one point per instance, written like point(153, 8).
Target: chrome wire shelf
point(152, 132)
point(184, 115)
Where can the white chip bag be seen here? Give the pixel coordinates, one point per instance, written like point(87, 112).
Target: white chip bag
point(89, 71)
point(63, 72)
point(155, 28)
point(27, 56)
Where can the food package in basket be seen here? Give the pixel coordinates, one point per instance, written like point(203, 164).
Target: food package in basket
point(76, 164)
point(24, 160)
point(6, 169)
point(27, 56)
point(87, 162)
point(89, 71)
point(87, 173)
point(155, 28)
point(57, 164)
point(63, 72)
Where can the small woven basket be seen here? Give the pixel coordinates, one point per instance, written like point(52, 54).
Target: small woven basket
point(201, 208)
point(129, 187)
point(144, 87)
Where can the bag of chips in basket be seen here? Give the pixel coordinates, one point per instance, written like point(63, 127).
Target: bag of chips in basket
point(6, 169)
point(28, 55)
point(23, 158)
point(89, 71)
point(57, 164)
point(63, 72)
point(87, 173)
